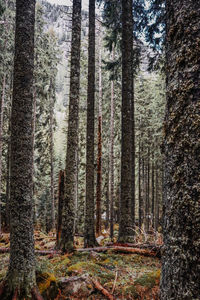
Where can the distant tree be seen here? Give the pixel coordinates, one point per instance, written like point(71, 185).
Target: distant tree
point(180, 260)
point(68, 215)
point(89, 235)
point(21, 278)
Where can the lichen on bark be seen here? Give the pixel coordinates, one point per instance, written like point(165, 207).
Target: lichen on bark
point(180, 261)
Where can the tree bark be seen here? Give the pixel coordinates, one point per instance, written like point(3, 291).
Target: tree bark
point(111, 158)
point(52, 225)
point(2, 99)
point(89, 235)
point(153, 192)
point(99, 155)
point(68, 216)
point(126, 231)
point(60, 205)
point(21, 272)
point(180, 263)
point(140, 204)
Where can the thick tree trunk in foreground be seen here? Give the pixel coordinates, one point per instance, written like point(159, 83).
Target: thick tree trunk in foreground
point(21, 272)
point(126, 232)
point(89, 235)
point(99, 155)
point(68, 216)
point(180, 263)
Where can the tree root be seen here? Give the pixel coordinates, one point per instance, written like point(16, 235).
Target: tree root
point(15, 296)
point(36, 294)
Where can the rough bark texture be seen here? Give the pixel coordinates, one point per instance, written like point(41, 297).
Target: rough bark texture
point(99, 155)
point(153, 192)
point(52, 225)
point(111, 158)
point(1, 133)
point(89, 235)
point(180, 264)
point(21, 273)
point(126, 232)
point(140, 204)
point(68, 216)
point(60, 205)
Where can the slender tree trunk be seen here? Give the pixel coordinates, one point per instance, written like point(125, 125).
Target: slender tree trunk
point(89, 235)
point(107, 203)
point(180, 260)
point(68, 216)
point(21, 277)
point(156, 199)
point(34, 123)
point(2, 99)
point(153, 192)
point(147, 192)
point(126, 232)
point(139, 187)
point(111, 164)
point(133, 162)
point(99, 155)
point(60, 205)
point(52, 225)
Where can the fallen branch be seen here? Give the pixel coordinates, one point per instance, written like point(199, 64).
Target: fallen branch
point(100, 288)
point(128, 250)
point(37, 252)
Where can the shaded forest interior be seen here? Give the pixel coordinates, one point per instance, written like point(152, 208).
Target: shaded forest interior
point(86, 165)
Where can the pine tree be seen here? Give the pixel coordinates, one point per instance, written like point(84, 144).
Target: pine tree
point(21, 278)
point(126, 231)
point(68, 216)
point(89, 235)
point(180, 261)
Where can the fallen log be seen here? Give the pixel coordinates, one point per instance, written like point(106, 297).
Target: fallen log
point(140, 246)
point(127, 250)
point(37, 252)
point(100, 288)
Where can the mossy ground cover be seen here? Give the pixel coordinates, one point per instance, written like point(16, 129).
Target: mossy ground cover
point(128, 276)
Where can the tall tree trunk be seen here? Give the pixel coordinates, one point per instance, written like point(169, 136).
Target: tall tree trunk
point(99, 155)
point(111, 164)
point(107, 203)
point(21, 277)
point(2, 99)
point(33, 170)
point(156, 219)
point(126, 232)
point(180, 260)
point(60, 205)
point(89, 235)
point(147, 192)
point(68, 216)
point(153, 192)
point(133, 162)
point(52, 166)
point(140, 204)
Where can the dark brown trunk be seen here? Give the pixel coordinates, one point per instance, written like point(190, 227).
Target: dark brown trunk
point(181, 228)
point(107, 203)
point(126, 230)
point(52, 197)
point(156, 199)
point(89, 235)
point(111, 158)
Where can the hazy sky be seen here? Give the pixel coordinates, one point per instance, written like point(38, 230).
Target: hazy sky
point(68, 2)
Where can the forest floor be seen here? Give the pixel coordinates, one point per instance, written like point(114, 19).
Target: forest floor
point(90, 274)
